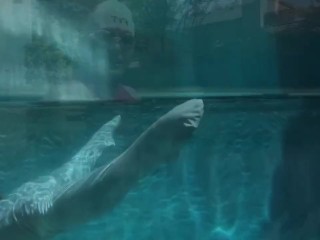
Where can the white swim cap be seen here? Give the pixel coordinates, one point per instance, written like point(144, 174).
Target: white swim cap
point(114, 14)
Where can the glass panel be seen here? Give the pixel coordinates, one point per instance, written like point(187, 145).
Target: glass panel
point(99, 137)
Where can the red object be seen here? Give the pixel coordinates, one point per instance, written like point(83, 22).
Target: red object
point(126, 94)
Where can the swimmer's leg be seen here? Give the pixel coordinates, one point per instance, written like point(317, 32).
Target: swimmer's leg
point(84, 161)
point(107, 185)
point(103, 188)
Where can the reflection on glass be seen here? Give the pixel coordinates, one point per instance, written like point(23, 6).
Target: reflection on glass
point(248, 173)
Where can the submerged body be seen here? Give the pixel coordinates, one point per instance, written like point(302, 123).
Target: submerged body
point(94, 193)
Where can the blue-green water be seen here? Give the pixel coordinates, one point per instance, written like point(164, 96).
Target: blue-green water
point(219, 188)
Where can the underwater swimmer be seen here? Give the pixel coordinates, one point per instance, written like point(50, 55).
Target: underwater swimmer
point(44, 209)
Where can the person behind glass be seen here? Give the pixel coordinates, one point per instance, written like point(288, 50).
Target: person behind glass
point(114, 30)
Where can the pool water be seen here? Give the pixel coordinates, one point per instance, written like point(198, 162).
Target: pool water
point(223, 187)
